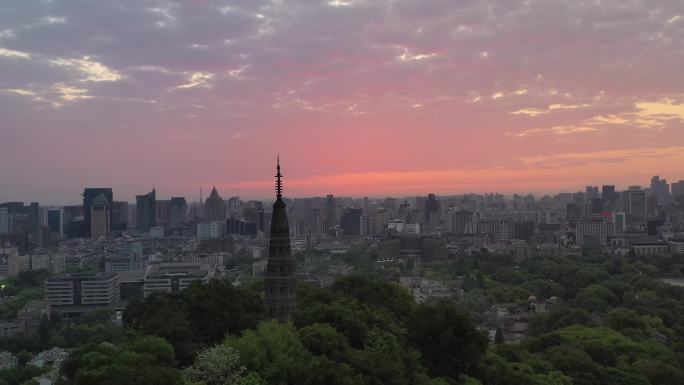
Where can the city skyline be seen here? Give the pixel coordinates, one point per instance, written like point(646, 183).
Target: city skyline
point(206, 193)
point(359, 97)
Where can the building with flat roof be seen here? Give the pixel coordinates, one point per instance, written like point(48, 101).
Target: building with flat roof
point(650, 248)
point(128, 258)
point(174, 277)
point(74, 294)
point(32, 314)
point(11, 263)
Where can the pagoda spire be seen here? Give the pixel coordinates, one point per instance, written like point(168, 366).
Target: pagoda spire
point(279, 182)
point(281, 295)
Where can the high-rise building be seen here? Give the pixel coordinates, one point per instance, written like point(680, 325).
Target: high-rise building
point(678, 189)
point(33, 212)
point(4, 221)
point(634, 200)
point(211, 230)
point(119, 216)
point(178, 211)
point(573, 212)
point(89, 194)
point(281, 296)
point(431, 209)
point(100, 217)
point(54, 220)
point(503, 230)
point(214, 207)
point(145, 211)
point(163, 212)
point(660, 189)
point(608, 193)
point(591, 193)
point(330, 212)
point(351, 222)
point(254, 212)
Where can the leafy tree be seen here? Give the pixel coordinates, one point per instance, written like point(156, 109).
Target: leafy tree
point(324, 340)
point(24, 357)
point(198, 316)
point(596, 298)
point(147, 360)
point(219, 365)
point(274, 351)
point(449, 344)
point(19, 375)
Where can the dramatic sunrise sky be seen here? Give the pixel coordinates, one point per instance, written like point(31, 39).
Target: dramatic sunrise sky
point(359, 97)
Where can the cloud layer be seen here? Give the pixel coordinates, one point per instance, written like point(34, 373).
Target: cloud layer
point(190, 93)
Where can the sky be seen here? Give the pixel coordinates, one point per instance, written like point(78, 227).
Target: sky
point(358, 97)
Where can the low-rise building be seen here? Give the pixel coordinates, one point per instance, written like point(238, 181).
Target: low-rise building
point(211, 259)
point(650, 248)
point(73, 294)
point(11, 327)
point(677, 245)
point(32, 314)
point(174, 277)
point(11, 263)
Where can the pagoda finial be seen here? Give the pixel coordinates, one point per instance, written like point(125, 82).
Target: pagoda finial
point(279, 182)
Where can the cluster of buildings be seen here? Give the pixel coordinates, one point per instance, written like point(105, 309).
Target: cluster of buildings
point(105, 252)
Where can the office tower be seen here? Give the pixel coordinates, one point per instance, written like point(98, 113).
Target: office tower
point(234, 207)
point(214, 207)
point(591, 192)
point(281, 296)
point(119, 216)
point(178, 210)
point(678, 190)
point(163, 212)
point(89, 194)
point(72, 213)
point(254, 213)
point(4, 221)
point(100, 217)
point(145, 210)
point(431, 209)
point(53, 219)
point(351, 222)
point(573, 212)
point(330, 212)
point(660, 189)
point(33, 212)
point(596, 206)
point(316, 222)
point(635, 202)
point(608, 193)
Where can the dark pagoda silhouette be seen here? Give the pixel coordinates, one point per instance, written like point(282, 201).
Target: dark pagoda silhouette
point(281, 296)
